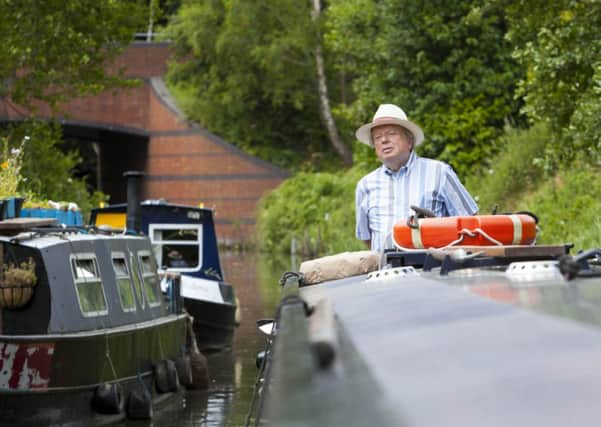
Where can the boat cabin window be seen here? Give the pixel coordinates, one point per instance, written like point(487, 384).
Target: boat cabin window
point(177, 246)
point(124, 283)
point(150, 278)
point(135, 275)
point(88, 285)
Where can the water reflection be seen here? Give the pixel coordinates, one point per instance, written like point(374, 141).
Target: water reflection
point(232, 372)
point(578, 300)
point(256, 280)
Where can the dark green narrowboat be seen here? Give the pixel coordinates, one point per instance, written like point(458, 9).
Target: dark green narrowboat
point(86, 336)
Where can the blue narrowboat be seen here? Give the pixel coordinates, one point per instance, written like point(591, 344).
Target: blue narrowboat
point(184, 240)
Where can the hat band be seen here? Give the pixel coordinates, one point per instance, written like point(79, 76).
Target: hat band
point(379, 119)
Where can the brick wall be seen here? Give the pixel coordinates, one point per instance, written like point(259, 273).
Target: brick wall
point(185, 163)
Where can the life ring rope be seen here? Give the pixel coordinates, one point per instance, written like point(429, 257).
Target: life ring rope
point(483, 233)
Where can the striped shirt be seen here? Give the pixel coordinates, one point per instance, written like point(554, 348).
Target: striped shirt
point(384, 197)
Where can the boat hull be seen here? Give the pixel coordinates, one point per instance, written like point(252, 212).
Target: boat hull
point(212, 304)
point(70, 408)
point(214, 323)
point(52, 378)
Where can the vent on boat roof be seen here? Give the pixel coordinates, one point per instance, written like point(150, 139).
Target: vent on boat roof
point(533, 270)
point(390, 274)
point(474, 256)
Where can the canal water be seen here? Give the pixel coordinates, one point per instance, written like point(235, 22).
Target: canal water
point(232, 372)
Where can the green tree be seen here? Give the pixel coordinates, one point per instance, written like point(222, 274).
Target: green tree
point(249, 74)
point(558, 44)
point(446, 63)
point(53, 50)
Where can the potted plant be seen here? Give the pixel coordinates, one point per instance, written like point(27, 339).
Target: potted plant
point(16, 284)
point(10, 177)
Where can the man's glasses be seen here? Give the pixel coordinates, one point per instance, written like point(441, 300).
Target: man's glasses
point(389, 134)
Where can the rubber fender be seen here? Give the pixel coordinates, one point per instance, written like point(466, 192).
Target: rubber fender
point(108, 399)
point(260, 359)
point(200, 370)
point(165, 375)
point(183, 365)
point(139, 403)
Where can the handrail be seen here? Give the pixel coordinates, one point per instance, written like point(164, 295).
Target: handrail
point(323, 334)
point(311, 373)
point(290, 341)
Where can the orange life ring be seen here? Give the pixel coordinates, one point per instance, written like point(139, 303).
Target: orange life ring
point(478, 230)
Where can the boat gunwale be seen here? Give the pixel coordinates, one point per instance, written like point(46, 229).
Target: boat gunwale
point(146, 324)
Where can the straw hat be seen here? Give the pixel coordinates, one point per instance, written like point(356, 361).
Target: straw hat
point(389, 114)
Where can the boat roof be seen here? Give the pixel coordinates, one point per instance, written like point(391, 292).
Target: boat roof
point(122, 207)
point(158, 214)
point(507, 344)
point(454, 356)
point(40, 241)
point(43, 232)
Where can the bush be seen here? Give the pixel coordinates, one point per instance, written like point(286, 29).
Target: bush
point(317, 210)
point(568, 207)
point(45, 171)
point(513, 172)
point(566, 200)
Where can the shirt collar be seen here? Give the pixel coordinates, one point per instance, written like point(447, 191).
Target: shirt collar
point(403, 169)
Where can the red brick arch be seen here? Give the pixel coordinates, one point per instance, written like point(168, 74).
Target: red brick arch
point(183, 162)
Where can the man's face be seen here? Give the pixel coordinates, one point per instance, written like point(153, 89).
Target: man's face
point(392, 146)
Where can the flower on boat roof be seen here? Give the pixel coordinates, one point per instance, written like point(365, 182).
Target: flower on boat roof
point(10, 168)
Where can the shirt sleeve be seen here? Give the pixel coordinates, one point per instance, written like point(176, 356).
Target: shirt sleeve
point(457, 199)
point(362, 221)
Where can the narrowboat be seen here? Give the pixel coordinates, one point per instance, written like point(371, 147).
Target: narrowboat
point(86, 336)
point(184, 241)
point(478, 330)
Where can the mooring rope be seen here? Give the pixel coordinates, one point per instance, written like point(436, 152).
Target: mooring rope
point(107, 353)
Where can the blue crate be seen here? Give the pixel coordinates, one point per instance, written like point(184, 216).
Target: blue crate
point(11, 207)
point(68, 218)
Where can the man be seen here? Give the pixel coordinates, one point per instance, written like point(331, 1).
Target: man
point(386, 195)
point(175, 259)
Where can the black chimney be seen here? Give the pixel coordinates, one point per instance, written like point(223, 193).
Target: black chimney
point(134, 183)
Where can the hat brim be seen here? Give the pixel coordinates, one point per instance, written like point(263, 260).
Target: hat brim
point(363, 134)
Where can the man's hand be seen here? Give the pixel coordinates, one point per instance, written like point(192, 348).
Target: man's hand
point(423, 212)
